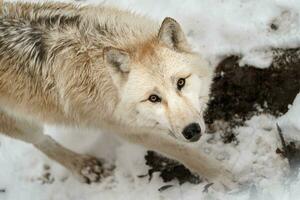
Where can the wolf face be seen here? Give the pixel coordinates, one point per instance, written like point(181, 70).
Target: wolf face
point(162, 85)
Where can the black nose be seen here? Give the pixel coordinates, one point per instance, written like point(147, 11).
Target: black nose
point(192, 132)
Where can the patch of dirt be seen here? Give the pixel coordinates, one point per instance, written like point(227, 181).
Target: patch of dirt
point(238, 93)
point(169, 169)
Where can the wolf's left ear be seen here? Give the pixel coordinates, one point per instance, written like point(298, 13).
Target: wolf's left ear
point(118, 63)
point(171, 34)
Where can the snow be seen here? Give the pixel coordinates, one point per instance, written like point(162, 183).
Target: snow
point(290, 122)
point(216, 28)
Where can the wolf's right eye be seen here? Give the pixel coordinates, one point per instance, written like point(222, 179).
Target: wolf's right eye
point(180, 83)
point(154, 98)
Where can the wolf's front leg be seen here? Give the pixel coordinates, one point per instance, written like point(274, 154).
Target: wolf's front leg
point(86, 168)
point(190, 156)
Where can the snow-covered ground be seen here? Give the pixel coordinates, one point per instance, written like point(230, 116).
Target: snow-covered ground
point(216, 28)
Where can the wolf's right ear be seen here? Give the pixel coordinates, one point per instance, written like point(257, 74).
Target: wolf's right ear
point(171, 34)
point(118, 63)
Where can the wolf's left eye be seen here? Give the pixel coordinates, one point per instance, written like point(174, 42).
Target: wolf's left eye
point(180, 83)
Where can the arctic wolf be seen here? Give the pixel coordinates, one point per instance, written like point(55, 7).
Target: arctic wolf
point(100, 67)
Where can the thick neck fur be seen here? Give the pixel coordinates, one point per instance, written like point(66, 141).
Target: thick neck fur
point(54, 51)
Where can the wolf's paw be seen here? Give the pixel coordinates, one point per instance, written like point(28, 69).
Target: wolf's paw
point(89, 169)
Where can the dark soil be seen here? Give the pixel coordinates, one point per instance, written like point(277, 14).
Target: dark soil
point(169, 169)
point(238, 93)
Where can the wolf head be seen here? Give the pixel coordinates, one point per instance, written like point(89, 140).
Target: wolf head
point(162, 84)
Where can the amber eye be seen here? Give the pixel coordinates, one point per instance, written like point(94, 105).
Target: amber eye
point(154, 98)
point(180, 83)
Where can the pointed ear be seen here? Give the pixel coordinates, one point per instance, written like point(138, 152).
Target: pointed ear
point(171, 34)
point(117, 61)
